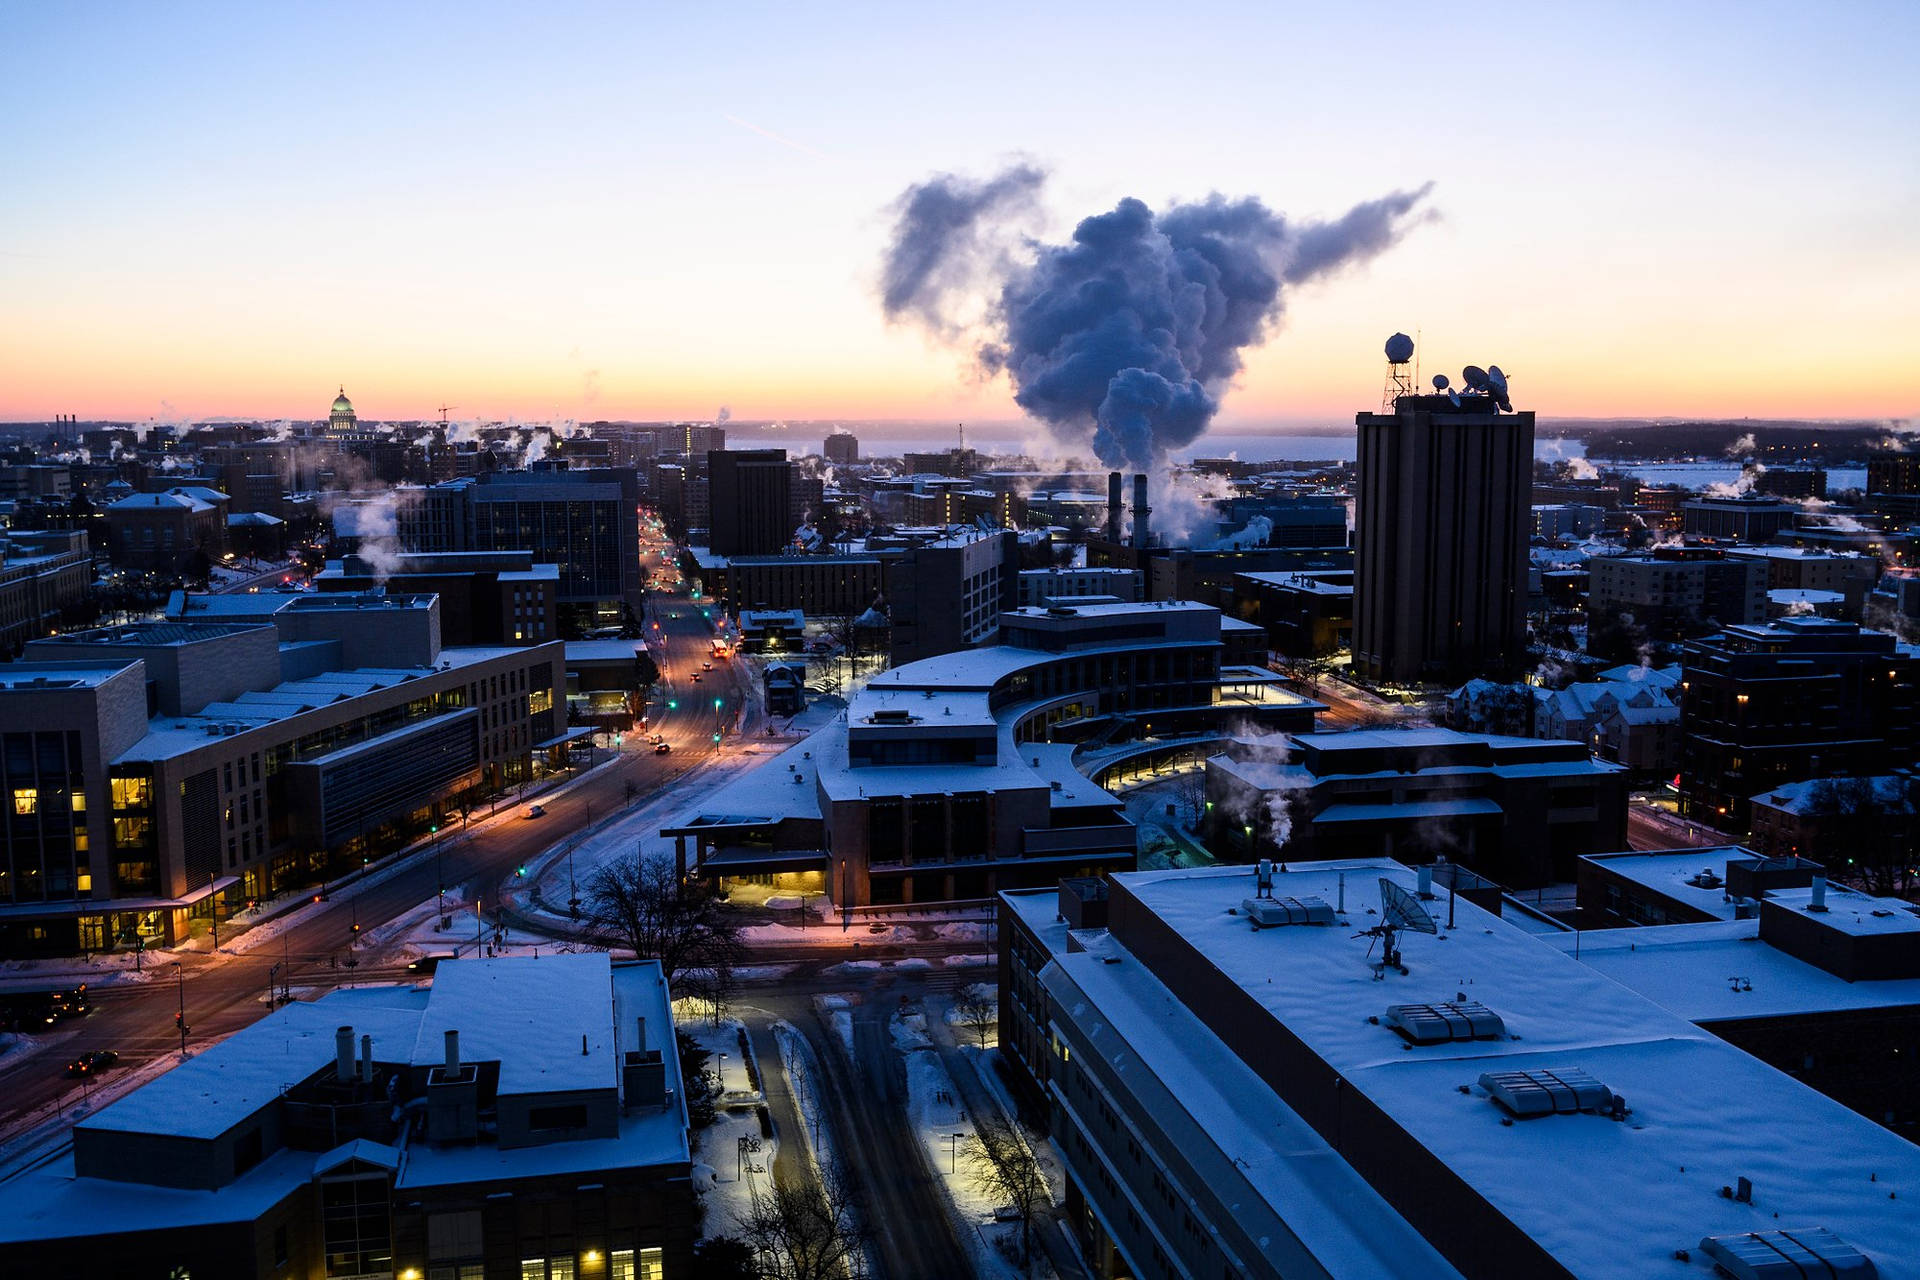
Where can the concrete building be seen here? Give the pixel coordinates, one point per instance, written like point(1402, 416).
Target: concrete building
point(1814, 569)
point(949, 593)
point(1737, 519)
point(1305, 614)
point(751, 500)
point(1555, 521)
point(827, 586)
point(1817, 981)
point(1519, 811)
point(42, 576)
point(1238, 1086)
point(173, 770)
point(957, 776)
point(486, 597)
point(1672, 594)
point(1796, 698)
point(517, 1118)
point(1040, 587)
point(1440, 541)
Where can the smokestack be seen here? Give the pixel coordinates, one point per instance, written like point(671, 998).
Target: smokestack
point(343, 1055)
point(1140, 513)
point(640, 1035)
point(453, 1052)
point(366, 1059)
point(1115, 502)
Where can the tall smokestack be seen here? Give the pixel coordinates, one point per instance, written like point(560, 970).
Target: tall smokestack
point(1115, 502)
point(343, 1055)
point(1141, 511)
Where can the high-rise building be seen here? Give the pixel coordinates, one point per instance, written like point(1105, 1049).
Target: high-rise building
point(841, 448)
point(750, 493)
point(1440, 538)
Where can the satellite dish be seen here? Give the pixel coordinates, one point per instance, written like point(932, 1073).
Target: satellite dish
point(1496, 379)
point(1399, 349)
point(1402, 910)
point(1455, 397)
point(1475, 377)
point(1441, 382)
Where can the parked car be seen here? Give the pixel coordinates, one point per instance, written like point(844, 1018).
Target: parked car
point(88, 1064)
point(536, 811)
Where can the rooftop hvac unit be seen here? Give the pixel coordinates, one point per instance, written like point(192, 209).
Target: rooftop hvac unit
point(1546, 1092)
point(1271, 913)
point(1788, 1255)
point(1446, 1022)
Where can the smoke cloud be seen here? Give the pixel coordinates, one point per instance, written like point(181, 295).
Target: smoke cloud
point(1124, 338)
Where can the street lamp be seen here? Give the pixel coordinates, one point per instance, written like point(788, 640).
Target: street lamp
point(180, 1018)
point(953, 1151)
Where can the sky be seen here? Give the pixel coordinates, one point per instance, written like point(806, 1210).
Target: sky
point(650, 211)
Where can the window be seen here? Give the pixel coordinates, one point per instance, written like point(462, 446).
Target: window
point(26, 800)
point(646, 1264)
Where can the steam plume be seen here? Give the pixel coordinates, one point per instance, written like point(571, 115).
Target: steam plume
point(1123, 339)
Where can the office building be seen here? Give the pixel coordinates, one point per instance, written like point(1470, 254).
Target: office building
point(949, 593)
point(1516, 810)
point(1239, 1086)
point(486, 597)
point(750, 500)
point(1306, 614)
point(1744, 519)
point(44, 577)
point(1039, 588)
point(841, 448)
point(1442, 519)
point(1669, 595)
point(519, 1117)
point(956, 776)
point(253, 744)
point(1795, 698)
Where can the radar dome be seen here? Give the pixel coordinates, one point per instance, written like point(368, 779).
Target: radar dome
point(1399, 348)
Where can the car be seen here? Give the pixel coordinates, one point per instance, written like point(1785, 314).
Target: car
point(88, 1064)
point(429, 962)
point(696, 677)
point(536, 811)
point(663, 748)
point(706, 666)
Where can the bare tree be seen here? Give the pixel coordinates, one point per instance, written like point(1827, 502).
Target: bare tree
point(688, 928)
point(979, 1011)
point(1001, 1164)
point(1190, 795)
point(807, 1229)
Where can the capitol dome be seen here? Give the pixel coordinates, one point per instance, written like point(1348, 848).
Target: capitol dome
point(341, 404)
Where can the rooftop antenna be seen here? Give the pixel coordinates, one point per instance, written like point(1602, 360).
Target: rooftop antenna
point(1399, 381)
point(1399, 911)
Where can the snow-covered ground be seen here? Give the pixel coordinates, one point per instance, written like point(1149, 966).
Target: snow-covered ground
point(947, 1134)
point(731, 1157)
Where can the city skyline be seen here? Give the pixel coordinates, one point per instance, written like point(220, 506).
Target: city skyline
point(601, 215)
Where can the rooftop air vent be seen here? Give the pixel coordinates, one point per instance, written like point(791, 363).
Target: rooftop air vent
point(1545, 1092)
point(1445, 1022)
point(1271, 913)
point(1788, 1255)
point(1707, 879)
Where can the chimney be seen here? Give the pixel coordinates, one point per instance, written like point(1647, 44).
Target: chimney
point(1819, 900)
point(1115, 501)
point(1425, 882)
point(453, 1052)
point(366, 1059)
point(640, 1034)
point(1141, 511)
point(343, 1055)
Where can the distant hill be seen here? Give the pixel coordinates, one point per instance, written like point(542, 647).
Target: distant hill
point(1830, 442)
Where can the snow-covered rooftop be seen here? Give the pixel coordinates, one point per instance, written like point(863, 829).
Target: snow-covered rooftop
point(1672, 873)
point(527, 1015)
point(1606, 1199)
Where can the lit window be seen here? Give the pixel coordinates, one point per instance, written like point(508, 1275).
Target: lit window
point(26, 800)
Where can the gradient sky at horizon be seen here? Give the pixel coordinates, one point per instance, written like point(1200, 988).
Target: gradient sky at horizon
point(604, 212)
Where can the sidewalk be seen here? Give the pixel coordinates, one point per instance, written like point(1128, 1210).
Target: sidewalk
point(982, 1102)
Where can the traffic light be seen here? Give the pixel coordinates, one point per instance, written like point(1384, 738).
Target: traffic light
point(717, 702)
point(521, 870)
point(716, 739)
point(673, 704)
point(434, 830)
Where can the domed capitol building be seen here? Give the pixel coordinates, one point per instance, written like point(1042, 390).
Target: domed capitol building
point(342, 417)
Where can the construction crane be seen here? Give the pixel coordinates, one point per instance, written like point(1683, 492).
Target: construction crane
point(443, 412)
